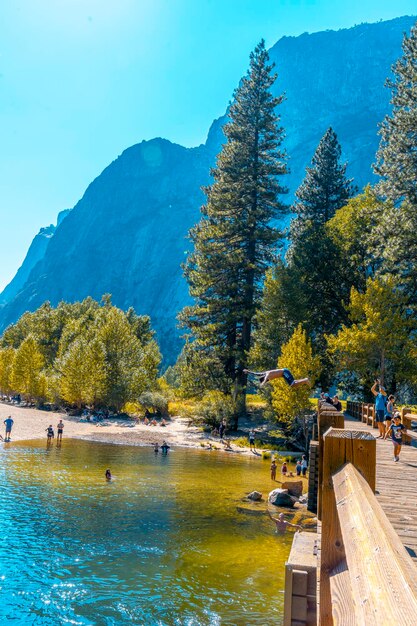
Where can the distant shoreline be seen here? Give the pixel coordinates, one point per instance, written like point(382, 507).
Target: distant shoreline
point(30, 424)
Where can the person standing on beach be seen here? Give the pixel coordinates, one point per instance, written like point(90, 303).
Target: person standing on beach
point(304, 464)
point(380, 397)
point(60, 430)
point(222, 428)
point(49, 433)
point(298, 468)
point(252, 440)
point(9, 423)
point(273, 470)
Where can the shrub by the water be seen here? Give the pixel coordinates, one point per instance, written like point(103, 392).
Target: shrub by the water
point(154, 401)
point(212, 409)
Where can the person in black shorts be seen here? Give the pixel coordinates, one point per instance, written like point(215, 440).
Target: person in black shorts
point(49, 433)
point(396, 431)
point(60, 430)
point(265, 377)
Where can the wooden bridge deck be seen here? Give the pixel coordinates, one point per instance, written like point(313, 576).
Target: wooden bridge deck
point(396, 486)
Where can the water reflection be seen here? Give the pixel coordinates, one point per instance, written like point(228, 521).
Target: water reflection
point(162, 543)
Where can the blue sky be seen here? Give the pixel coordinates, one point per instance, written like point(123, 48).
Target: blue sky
point(81, 80)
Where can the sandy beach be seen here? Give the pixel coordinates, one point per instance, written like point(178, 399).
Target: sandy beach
point(30, 423)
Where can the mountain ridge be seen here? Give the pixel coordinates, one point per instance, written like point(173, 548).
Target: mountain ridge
point(127, 235)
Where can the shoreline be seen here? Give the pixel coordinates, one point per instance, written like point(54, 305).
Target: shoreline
point(30, 424)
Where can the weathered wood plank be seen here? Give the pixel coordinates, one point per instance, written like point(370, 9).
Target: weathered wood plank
point(396, 486)
point(383, 576)
point(343, 607)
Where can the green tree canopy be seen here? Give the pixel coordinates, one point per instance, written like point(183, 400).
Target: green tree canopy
point(234, 241)
point(379, 340)
point(396, 159)
point(26, 375)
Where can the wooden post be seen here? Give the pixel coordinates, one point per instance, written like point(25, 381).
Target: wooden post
point(326, 419)
point(373, 423)
point(339, 447)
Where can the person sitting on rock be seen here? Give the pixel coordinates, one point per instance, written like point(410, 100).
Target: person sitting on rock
point(282, 524)
point(268, 375)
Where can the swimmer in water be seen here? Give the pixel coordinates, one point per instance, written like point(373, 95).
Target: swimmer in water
point(265, 377)
point(108, 474)
point(49, 433)
point(282, 524)
point(165, 447)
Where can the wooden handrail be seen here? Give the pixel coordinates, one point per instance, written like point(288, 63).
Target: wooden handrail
point(383, 577)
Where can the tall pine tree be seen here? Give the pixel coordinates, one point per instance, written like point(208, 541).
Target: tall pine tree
point(234, 242)
point(314, 262)
point(396, 163)
point(397, 153)
point(325, 187)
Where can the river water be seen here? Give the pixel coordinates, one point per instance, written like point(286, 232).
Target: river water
point(167, 542)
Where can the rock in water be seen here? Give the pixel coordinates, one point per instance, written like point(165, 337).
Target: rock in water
point(255, 495)
point(281, 497)
point(295, 487)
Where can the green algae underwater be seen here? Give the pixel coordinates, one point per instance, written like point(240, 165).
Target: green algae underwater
point(168, 541)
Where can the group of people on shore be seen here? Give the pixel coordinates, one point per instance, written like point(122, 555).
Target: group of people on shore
point(300, 468)
point(387, 418)
point(50, 433)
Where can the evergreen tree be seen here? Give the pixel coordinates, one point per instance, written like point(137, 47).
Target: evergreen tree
point(234, 242)
point(396, 163)
point(316, 265)
point(274, 322)
point(397, 154)
point(355, 230)
point(325, 187)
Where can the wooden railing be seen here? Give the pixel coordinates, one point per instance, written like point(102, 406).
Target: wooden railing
point(366, 413)
point(409, 419)
point(366, 576)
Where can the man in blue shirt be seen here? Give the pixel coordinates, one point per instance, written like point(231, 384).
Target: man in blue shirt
point(380, 400)
point(9, 424)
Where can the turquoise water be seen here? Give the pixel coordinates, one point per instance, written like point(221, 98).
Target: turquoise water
point(164, 543)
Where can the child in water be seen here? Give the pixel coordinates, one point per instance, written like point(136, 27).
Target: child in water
point(108, 474)
point(273, 470)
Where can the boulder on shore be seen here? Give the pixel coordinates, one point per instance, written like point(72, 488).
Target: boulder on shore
point(295, 487)
point(255, 495)
point(281, 497)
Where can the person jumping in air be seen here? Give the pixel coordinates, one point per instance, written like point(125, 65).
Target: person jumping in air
point(265, 377)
